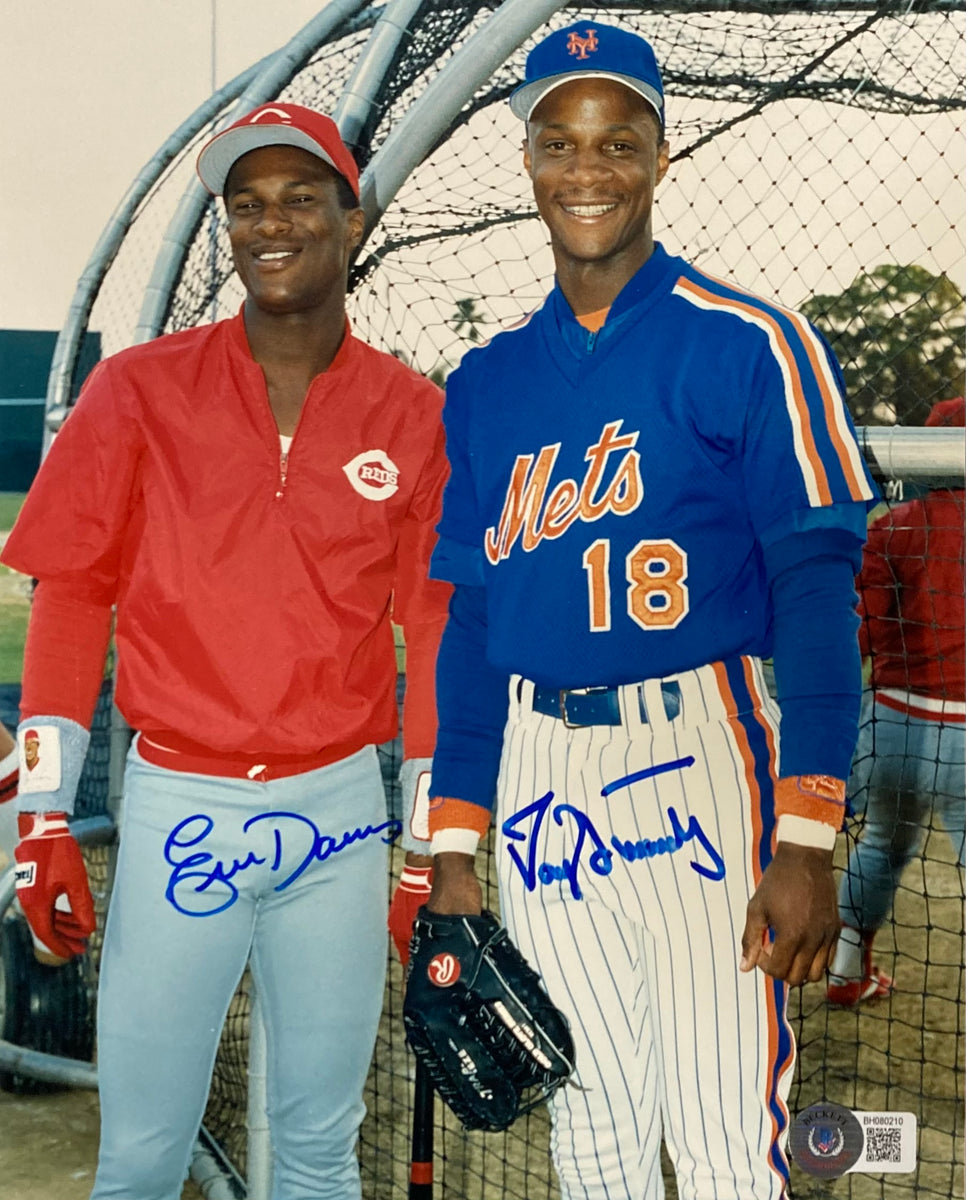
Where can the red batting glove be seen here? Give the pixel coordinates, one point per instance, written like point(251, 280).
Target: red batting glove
point(410, 895)
point(52, 886)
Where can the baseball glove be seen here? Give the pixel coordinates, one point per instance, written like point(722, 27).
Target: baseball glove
point(478, 1017)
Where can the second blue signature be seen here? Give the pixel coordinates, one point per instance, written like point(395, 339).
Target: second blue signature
point(601, 856)
point(201, 885)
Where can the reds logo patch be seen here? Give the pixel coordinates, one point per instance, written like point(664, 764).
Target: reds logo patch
point(282, 116)
point(373, 474)
point(444, 970)
point(581, 47)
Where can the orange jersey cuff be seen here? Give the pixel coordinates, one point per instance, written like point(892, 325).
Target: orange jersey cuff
point(445, 812)
point(814, 797)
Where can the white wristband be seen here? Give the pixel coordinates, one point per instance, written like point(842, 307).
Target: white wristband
point(415, 776)
point(459, 841)
point(801, 831)
point(416, 878)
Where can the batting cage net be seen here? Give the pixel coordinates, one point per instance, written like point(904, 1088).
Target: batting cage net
point(816, 157)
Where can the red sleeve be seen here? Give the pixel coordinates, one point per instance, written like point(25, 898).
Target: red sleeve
point(420, 604)
point(64, 656)
point(76, 518)
point(878, 589)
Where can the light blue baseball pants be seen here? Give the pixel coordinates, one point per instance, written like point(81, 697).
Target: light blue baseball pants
point(211, 870)
point(904, 770)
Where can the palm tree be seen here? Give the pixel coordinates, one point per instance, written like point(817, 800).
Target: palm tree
point(468, 317)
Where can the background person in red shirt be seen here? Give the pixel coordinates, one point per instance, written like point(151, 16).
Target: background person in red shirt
point(909, 761)
point(256, 499)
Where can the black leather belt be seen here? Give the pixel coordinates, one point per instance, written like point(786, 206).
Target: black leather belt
point(598, 706)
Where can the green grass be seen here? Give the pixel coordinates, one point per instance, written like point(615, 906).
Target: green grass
point(10, 503)
point(14, 604)
point(13, 631)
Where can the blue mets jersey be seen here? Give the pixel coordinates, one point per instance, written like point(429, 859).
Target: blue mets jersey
point(617, 492)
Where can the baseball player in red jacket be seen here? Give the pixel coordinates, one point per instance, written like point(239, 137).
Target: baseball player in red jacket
point(910, 757)
point(256, 500)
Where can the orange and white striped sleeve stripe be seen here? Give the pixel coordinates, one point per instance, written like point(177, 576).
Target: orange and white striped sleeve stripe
point(825, 447)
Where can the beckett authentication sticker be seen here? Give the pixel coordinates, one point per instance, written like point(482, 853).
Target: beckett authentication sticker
point(827, 1140)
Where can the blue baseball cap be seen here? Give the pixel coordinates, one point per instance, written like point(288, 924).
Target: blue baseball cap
point(589, 50)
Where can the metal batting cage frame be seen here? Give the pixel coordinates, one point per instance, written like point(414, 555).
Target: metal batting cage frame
point(817, 156)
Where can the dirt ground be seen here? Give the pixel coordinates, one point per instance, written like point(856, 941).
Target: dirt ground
point(48, 1147)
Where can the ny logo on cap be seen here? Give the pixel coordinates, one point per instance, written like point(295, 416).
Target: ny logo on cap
point(269, 112)
point(581, 47)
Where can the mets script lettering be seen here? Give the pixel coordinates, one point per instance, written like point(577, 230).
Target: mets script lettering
point(533, 510)
point(601, 857)
point(201, 885)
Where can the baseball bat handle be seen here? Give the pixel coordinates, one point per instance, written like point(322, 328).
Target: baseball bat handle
point(421, 1164)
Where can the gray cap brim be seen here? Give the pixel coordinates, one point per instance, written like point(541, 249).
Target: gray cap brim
point(225, 149)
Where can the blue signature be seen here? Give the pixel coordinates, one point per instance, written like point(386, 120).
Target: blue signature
point(203, 871)
point(601, 858)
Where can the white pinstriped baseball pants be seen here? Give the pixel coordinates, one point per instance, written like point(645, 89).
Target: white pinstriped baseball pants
point(644, 962)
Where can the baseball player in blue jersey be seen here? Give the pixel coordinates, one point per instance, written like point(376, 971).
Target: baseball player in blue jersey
point(655, 485)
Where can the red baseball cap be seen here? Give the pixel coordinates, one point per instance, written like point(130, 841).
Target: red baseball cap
point(276, 125)
point(950, 413)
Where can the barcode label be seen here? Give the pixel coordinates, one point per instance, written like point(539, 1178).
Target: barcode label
point(890, 1142)
point(883, 1145)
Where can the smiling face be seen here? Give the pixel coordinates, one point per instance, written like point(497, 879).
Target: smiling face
point(31, 752)
point(595, 156)
point(291, 239)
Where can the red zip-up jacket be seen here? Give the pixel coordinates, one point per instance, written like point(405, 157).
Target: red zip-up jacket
point(911, 601)
point(254, 590)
